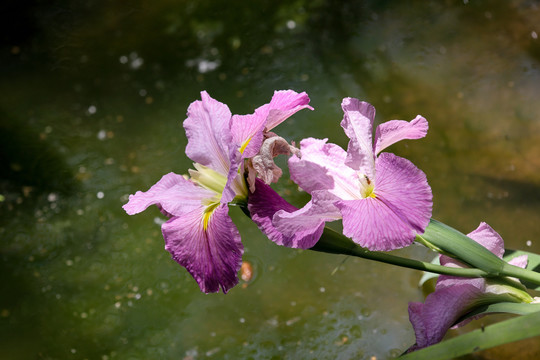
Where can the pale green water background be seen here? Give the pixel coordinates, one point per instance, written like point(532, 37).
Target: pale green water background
point(93, 94)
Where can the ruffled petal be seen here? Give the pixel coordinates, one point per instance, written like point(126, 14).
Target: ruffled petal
point(172, 193)
point(213, 255)
point(404, 188)
point(373, 225)
point(322, 167)
point(400, 209)
point(208, 133)
point(391, 132)
point(264, 203)
point(283, 105)
point(358, 125)
point(440, 311)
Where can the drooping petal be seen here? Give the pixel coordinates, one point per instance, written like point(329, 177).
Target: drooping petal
point(322, 167)
point(172, 193)
point(264, 203)
point(303, 228)
point(208, 133)
point(400, 209)
point(283, 105)
point(357, 122)
point(440, 311)
point(391, 132)
point(404, 188)
point(212, 255)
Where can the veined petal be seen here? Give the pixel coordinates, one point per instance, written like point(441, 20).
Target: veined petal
point(357, 122)
point(172, 193)
point(440, 311)
point(283, 105)
point(400, 209)
point(247, 132)
point(211, 254)
point(391, 132)
point(488, 238)
point(404, 188)
point(308, 220)
point(264, 203)
point(322, 167)
point(208, 133)
point(373, 225)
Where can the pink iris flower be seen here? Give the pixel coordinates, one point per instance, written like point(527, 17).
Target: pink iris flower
point(199, 233)
point(455, 296)
point(384, 200)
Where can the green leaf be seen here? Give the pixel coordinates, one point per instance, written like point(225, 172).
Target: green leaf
point(532, 265)
point(464, 248)
point(504, 332)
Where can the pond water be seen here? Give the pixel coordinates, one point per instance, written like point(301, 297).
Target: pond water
point(93, 98)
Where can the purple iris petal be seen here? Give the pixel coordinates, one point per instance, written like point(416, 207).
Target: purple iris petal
point(391, 132)
point(264, 203)
point(213, 255)
point(283, 105)
point(208, 133)
point(358, 117)
point(172, 193)
point(454, 296)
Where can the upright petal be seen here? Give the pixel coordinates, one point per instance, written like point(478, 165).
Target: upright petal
point(264, 203)
point(322, 167)
point(283, 105)
point(172, 193)
point(488, 238)
point(247, 132)
point(391, 132)
point(358, 125)
point(208, 133)
point(212, 255)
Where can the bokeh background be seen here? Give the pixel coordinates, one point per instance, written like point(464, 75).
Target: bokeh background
point(92, 98)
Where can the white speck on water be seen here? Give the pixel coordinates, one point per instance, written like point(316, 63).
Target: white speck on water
point(529, 243)
point(322, 289)
point(102, 134)
point(84, 315)
point(212, 351)
point(100, 195)
point(534, 35)
point(73, 351)
point(242, 320)
point(69, 262)
point(52, 197)
point(117, 304)
point(159, 221)
point(142, 92)
point(291, 24)
point(137, 296)
point(80, 212)
point(92, 109)
point(293, 303)
point(123, 59)
point(48, 129)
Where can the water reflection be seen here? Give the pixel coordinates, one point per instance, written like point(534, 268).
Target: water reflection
point(92, 102)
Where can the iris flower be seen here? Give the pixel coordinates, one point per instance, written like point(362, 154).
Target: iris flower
point(454, 296)
point(199, 233)
point(383, 199)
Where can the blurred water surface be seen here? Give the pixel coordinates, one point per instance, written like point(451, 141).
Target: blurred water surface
point(93, 95)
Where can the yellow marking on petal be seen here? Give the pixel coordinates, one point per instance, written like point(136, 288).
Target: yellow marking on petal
point(244, 145)
point(208, 213)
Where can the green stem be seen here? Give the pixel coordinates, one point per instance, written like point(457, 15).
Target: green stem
point(523, 274)
point(336, 243)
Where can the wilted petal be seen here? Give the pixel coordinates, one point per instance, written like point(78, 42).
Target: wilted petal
point(213, 255)
point(322, 167)
point(208, 133)
point(264, 164)
point(283, 105)
point(264, 203)
point(172, 193)
point(357, 122)
point(391, 132)
point(440, 311)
